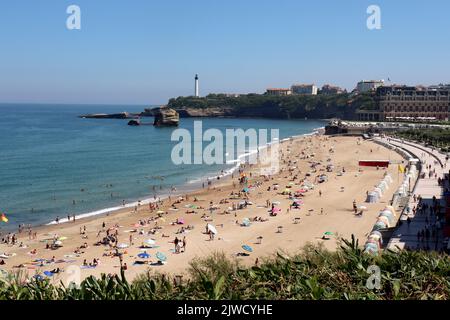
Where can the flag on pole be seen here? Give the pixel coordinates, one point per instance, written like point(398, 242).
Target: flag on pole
point(3, 218)
point(401, 168)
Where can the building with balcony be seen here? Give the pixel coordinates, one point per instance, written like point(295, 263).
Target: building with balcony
point(396, 103)
point(278, 92)
point(369, 85)
point(329, 89)
point(307, 89)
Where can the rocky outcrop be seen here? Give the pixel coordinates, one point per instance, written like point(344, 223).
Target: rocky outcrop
point(165, 117)
point(134, 123)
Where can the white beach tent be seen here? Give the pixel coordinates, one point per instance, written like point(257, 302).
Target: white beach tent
point(372, 197)
point(388, 178)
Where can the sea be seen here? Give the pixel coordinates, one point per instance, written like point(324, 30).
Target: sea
point(54, 164)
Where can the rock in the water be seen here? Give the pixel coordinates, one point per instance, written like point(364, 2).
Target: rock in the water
point(134, 123)
point(166, 117)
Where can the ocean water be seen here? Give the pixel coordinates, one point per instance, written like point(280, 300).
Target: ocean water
point(53, 163)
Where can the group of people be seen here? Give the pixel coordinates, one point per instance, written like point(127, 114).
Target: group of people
point(179, 244)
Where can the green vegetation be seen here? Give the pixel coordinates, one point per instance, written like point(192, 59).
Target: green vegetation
point(295, 106)
point(437, 137)
point(314, 273)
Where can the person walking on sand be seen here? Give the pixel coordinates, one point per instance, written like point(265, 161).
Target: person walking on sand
point(184, 244)
point(175, 242)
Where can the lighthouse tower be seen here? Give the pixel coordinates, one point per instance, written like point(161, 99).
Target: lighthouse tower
point(196, 86)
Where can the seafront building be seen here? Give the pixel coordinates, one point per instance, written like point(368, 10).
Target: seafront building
point(406, 103)
point(306, 89)
point(278, 92)
point(369, 85)
point(329, 89)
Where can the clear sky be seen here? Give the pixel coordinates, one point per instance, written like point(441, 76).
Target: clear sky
point(146, 51)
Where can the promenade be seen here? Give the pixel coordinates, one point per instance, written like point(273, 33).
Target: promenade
point(425, 221)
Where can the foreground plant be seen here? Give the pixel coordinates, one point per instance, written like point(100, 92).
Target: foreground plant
point(312, 274)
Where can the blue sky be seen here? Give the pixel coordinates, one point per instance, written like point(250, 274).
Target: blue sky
point(145, 52)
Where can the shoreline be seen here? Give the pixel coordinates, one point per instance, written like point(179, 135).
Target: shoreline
point(180, 190)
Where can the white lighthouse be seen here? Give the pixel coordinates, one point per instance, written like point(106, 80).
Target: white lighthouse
point(196, 86)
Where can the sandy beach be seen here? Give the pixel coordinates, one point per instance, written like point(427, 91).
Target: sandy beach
point(325, 208)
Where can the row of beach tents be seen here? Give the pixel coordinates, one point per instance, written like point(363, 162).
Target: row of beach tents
point(375, 195)
point(386, 219)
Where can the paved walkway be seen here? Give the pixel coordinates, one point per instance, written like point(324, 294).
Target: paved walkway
point(406, 235)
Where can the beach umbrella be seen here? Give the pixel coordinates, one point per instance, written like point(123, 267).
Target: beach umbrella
point(144, 255)
point(247, 248)
point(122, 246)
point(212, 228)
point(58, 243)
point(180, 221)
point(161, 256)
point(246, 222)
point(149, 242)
point(328, 233)
point(245, 190)
point(48, 273)
point(363, 208)
point(62, 238)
